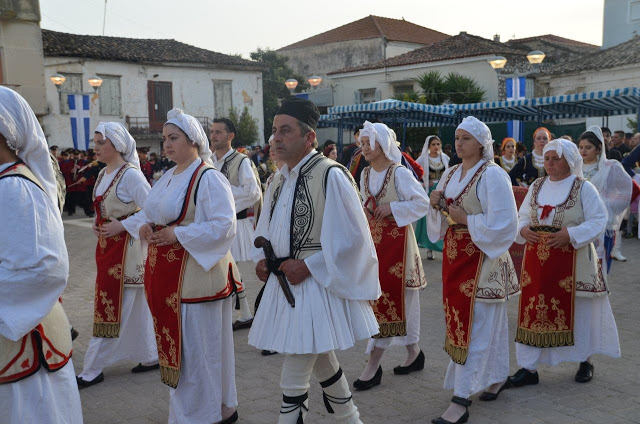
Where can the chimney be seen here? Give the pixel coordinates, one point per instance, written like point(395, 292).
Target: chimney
point(496, 38)
point(463, 32)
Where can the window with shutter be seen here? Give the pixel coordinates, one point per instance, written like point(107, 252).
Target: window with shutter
point(110, 101)
point(368, 95)
point(72, 85)
point(222, 98)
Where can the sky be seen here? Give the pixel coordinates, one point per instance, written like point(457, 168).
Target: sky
point(241, 26)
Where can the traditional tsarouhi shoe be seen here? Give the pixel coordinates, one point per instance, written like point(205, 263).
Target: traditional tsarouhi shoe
point(416, 365)
point(463, 419)
point(83, 384)
point(585, 372)
point(524, 377)
point(366, 385)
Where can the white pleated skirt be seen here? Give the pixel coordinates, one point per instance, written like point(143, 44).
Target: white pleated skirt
point(242, 244)
point(319, 323)
point(594, 332)
point(412, 312)
point(137, 340)
point(207, 378)
point(43, 398)
point(488, 358)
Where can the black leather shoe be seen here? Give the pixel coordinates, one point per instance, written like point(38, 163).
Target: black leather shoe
point(144, 368)
point(239, 325)
point(488, 396)
point(463, 419)
point(585, 372)
point(83, 384)
point(231, 419)
point(416, 365)
point(266, 352)
point(366, 385)
point(74, 334)
point(523, 377)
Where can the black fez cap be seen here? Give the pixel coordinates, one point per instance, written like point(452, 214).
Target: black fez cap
point(301, 109)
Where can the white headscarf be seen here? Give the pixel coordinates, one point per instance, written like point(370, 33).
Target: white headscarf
point(121, 140)
point(385, 137)
point(193, 129)
point(569, 150)
point(18, 124)
point(481, 133)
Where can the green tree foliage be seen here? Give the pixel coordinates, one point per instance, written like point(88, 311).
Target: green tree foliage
point(273, 88)
point(433, 88)
point(632, 124)
point(412, 96)
point(246, 127)
point(436, 89)
point(461, 89)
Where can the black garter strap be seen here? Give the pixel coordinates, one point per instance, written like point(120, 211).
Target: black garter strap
point(328, 399)
point(295, 403)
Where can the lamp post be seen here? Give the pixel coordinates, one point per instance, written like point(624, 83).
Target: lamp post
point(58, 80)
point(291, 84)
point(498, 62)
point(314, 81)
point(95, 82)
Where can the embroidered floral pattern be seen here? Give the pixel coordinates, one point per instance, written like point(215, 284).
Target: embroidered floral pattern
point(172, 302)
point(108, 306)
point(397, 269)
point(115, 271)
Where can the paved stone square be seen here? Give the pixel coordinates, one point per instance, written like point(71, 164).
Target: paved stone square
point(612, 397)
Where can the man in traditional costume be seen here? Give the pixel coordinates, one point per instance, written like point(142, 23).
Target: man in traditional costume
point(122, 325)
point(392, 199)
point(564, 315)
point(37, 383)
point(242, 174)
point(189, 221)
point(477, 271)
point(324, 255)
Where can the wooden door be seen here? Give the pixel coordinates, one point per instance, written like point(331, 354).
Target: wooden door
point(160, 95)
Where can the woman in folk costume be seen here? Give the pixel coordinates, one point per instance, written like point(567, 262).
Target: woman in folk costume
point(37, 383)
point(392, 199)
point(434, 162)
point(615, 186)
point(477, 271)
point(189, 222)
point(531, 166)
point(122, 325)
point(564, 315)
point(507, 159)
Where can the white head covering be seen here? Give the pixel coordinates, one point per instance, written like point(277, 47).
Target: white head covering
point(570, 151)
point(425, 148)
point(385, 137)
point(603, 149)
point(121, 140)
point(481, 133)
point(18, 124)
point(194, 131)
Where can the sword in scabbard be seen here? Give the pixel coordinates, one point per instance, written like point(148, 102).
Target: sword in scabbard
point(265, 245)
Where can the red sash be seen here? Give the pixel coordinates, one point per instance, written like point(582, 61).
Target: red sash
point(355, 162)
point(389, 309)
point(461, 268)
point(545, 316)
point(517, 250)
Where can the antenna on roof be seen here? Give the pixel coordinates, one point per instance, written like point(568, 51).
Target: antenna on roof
point(104, 17)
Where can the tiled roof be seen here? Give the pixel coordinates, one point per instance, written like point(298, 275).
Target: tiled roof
point(554, 39)
point(374, 27)
point(552, 45)
point(627, 53)
point(459, 46)
point(135, 50)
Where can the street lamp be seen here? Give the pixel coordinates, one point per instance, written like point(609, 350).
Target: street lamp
point(291, 84)
point(58, 80)
point(536, 57)
point(498, 62)
point(314, 81)
point(95, 82)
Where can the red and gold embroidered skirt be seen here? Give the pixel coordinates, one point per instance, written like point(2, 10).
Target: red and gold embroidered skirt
point(461, 268)
point(546, 312)
point(110, 257)
point(390, 241)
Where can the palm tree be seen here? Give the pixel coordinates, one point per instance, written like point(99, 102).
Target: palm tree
point(432, 86)
point(462, 89)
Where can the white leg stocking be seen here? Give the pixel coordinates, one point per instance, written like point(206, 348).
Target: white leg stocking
point(337, 396)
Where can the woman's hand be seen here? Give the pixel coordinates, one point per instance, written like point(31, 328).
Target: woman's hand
point(458, 214)
point(146, 231)
point(112, 228)
point(559, 239)
point(435, 197)
point(164, 237)
point(529, 235)
point(96, 228)
point(382, 211)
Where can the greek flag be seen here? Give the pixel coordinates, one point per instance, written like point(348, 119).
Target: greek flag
point(79, 112)
point(516, 90)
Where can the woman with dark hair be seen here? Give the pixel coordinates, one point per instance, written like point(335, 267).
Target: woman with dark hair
point(507, 159)
point(531, 167)
point(331, 152)
point(521, 150)
point(614, 185)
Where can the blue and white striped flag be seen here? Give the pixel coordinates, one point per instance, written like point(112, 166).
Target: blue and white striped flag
point(516, 90)
point(80, 114)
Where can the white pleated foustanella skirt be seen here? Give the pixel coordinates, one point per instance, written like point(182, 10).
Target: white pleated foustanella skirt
point(319, 323)
point(488, 359)
point(207, 375)
point(43, 398)
point(594, 332)
point(412, 313)
point(242, 244)
point(136, 342)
